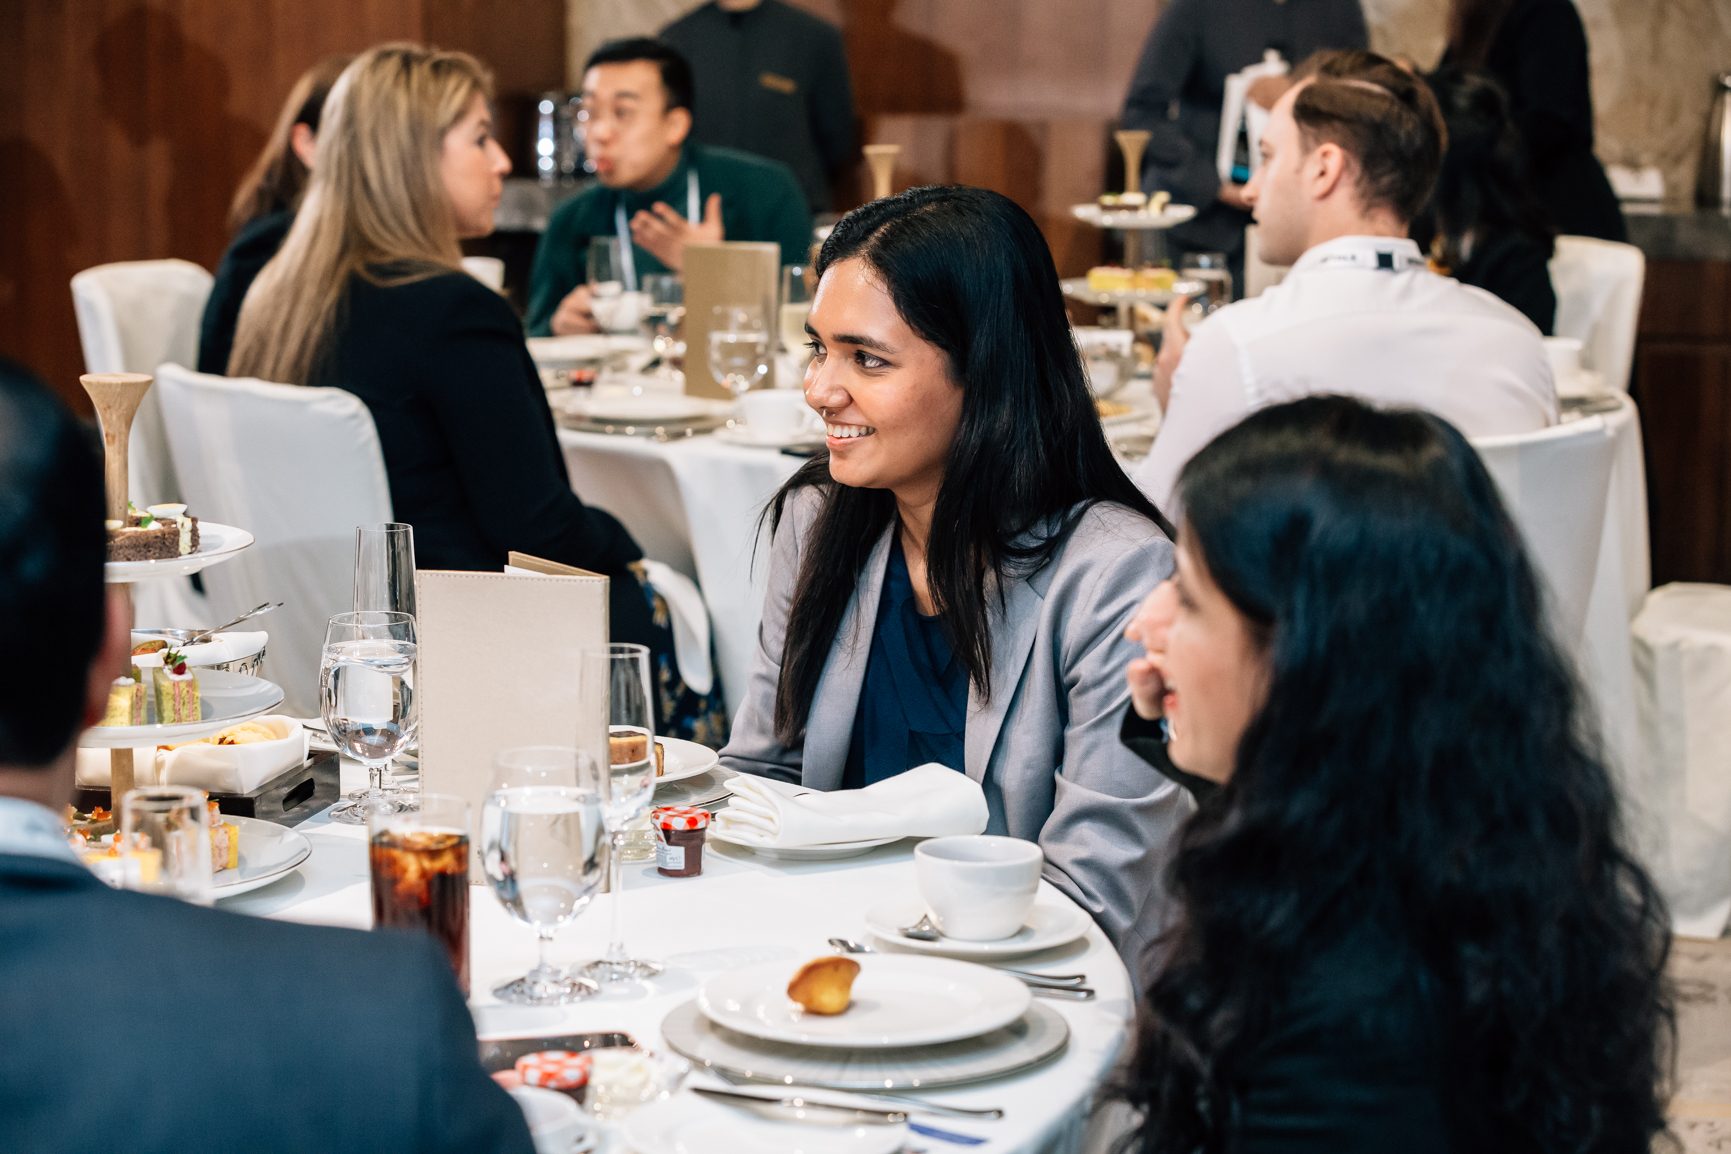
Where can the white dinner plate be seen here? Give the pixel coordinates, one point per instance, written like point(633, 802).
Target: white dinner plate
point(686, 1124)
point(755, 438)
point(223, 699)
point(1054, 921)
point(830, 851)
point(647, 408)
point(267, 852)
point(582, 348)
point(897, 1001)
point(1132, 218)
point(684, 759)
point(215, 543)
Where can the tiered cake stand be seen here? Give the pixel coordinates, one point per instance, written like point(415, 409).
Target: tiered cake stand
point(1138, 227)
point(226, 698)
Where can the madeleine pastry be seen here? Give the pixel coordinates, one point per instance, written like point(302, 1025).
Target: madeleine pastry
point(824, 986)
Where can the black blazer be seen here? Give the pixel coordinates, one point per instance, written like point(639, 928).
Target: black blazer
point(138, 1023)
point(1349, 1060)
point(250, 250)
point(470, 450)
point(1516, 268)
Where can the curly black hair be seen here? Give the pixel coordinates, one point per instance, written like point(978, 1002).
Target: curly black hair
point(1421, 765)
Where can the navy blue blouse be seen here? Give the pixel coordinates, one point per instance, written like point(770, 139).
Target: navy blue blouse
point(913, 707)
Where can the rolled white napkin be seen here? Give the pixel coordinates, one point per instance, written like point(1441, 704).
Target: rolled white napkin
point(927, 801)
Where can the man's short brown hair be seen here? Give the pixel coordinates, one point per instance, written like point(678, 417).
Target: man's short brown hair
point(1381, 114)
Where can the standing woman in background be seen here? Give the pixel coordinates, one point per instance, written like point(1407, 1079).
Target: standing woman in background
point(264, 207)
point(1484, 226)
point(1537, 50)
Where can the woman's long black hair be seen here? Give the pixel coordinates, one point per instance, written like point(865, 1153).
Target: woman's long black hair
point(1421, 766)
point(968, 270)
point(1484, 186)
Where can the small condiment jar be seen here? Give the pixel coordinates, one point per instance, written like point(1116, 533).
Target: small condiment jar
point(566, 1071)
point(681, 830)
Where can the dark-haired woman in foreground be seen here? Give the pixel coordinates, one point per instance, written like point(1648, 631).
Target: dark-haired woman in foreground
point(1405, 916)
point(949, 581)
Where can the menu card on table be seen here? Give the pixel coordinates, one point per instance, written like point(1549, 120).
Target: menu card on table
point(728, 273)
point(498, 668)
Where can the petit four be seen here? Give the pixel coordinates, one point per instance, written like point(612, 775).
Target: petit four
point(160, 533)
point(825, 985)
point(126, 701)
point(176, 690)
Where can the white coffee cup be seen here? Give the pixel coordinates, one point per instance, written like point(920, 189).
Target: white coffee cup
point(776, 413)
point(1564, 353)
point(979, 888)
point(618, 311)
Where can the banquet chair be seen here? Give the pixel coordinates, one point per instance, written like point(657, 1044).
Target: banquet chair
point(132, 317)
point(296, 467)
point(1556, 484)
point(1598, 287)
point(489, 270)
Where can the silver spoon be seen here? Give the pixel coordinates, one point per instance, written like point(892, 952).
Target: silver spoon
point(1056, 981)
point(255, 611)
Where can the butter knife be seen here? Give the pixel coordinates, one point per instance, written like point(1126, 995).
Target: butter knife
point(796, 1104)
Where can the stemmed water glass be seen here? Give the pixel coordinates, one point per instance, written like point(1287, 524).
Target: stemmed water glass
point(384, 581)
point(738, 347)
point(666, 312)
point(624, 671)
point(367, 699)
point(541, 845)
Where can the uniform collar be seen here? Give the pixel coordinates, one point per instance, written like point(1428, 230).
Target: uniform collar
point(1361, 252)
point(33, 830)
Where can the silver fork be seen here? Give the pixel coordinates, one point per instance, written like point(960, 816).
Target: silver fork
point(912, 1105)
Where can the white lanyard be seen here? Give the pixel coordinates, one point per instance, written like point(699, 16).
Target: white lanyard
point(628, 258)
point(1376, 259)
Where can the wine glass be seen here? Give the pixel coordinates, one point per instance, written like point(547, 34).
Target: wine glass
point(607, 296)
point(164, 842)
point(795, 306)
point(1208, 276)
point(541, 845)
point(666, 312)
point(367, 699)
point(624, 670)
point(738, 350)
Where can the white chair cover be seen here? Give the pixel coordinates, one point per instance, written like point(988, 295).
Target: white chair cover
point(132, 317)
point(489, 270)
point(1556, 484)
point(298, 468)
point(1598, 287)
point(1683, 803)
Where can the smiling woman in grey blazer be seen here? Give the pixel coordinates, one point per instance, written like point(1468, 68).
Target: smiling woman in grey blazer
point(950, 582)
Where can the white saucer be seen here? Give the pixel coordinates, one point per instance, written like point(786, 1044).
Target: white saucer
point(648, 407)
point(684, 759)
point(1054, 922)
point(580, 348)
point(831, 851)
point(755, 438)
point(686, 1124)
point(897, 1001)
point(267, 852)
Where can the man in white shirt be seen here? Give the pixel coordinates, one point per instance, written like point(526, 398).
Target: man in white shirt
point(142, 1023)
point(1348, 157)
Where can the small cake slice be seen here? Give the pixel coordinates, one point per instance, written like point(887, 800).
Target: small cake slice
point(176, 691)
point(1108, 278)
point(161, 533)
point(824, 985)
point(126, 701)
point(224, 842)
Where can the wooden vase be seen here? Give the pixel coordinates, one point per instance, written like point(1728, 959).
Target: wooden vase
point(116, 397)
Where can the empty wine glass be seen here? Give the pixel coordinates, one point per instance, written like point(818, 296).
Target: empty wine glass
point(384, 568)
point(796, 293)
point(367, 699)
point(542, 833)
point(738, 347)
point(624, 670)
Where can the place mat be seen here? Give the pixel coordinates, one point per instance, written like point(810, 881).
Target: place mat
point(1038, 1036)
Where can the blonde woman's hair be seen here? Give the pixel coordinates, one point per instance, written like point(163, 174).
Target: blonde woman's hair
point(277, 178)
point(375, 198)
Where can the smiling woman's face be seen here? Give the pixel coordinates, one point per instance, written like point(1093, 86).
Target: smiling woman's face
point(885, 394)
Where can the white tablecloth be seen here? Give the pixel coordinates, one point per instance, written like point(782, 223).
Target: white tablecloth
point(693, 504)
point(742, 911)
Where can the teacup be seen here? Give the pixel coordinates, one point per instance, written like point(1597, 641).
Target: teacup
point(772, 413)
point(618, 311)
point(979, 888)
point(1564, 353)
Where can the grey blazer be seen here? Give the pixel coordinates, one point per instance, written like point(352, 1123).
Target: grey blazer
point(1045, 748)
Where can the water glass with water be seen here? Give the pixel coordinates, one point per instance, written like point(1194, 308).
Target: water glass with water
point(739, 347)
point(367, 700)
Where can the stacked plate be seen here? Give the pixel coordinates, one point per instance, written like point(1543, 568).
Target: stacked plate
point(691, 775)
point(914, 1023)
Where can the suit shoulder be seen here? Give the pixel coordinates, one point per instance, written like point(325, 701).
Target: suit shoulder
point(1111, 538)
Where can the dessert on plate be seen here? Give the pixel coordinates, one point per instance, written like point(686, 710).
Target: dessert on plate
point(824, 985)
point(160, 533)
point(126, 700)
point(176, 690)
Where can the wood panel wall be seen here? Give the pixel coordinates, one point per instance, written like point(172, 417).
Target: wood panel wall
point(125, 125)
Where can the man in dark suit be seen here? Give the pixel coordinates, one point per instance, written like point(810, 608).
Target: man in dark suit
point(139, 1023)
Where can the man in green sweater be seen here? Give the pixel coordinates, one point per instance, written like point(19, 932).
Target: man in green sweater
point(655, 190)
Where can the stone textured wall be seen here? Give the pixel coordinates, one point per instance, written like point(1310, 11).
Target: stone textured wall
point(1653, 62)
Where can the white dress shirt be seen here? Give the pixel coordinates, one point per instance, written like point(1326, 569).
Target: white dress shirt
point(1364, 317)
point(33, 830)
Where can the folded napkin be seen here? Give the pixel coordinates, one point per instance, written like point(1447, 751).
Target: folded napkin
point(926, 801)
point(690, 624)
point(218, 768)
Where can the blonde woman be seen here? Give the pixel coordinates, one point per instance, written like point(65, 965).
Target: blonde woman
point(264, 207)
point(368, 294)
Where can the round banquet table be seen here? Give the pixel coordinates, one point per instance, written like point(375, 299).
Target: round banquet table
point(742, 911)
point(694, 504)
